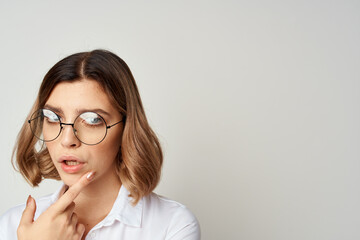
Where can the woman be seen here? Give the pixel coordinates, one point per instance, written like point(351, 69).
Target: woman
point(94, 136)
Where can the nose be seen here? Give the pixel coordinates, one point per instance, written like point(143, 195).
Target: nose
point(68, 138)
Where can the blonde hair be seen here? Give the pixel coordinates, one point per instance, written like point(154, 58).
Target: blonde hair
point(140, 158)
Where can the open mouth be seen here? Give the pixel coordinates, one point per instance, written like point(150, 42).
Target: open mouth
point(71, 162)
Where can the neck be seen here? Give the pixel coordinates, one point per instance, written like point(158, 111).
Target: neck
point(95, 201)
point(101, 189)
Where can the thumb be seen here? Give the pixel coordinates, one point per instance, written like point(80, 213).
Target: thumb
point(29, 212)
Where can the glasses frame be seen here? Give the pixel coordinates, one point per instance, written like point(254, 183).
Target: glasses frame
point(72, 125)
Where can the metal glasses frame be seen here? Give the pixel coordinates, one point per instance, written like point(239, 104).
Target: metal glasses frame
point(72, 125)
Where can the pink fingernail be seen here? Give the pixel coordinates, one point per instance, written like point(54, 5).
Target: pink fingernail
point(90, 176)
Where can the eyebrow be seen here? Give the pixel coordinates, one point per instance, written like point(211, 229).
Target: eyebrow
point(78, 111)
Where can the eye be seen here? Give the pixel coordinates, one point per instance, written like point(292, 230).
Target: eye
point(50, 116)
point(91, 118)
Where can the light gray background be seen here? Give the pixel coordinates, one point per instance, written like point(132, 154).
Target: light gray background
point(256, 103)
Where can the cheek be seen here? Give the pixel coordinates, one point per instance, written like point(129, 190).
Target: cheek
point(108, 149)
point(50, 147)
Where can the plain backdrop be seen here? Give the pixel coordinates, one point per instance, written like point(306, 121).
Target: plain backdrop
point(256, 103)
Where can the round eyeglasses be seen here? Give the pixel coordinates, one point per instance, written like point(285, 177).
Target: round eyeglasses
point(89, 127)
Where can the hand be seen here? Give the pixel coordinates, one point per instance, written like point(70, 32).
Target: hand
point(59, 221)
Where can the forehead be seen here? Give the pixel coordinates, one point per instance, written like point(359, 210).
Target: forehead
point(84, 93)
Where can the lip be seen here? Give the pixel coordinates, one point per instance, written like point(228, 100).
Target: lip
point(71, 168)
point(69, 157)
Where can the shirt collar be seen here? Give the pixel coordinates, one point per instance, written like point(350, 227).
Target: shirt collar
point(122, 210)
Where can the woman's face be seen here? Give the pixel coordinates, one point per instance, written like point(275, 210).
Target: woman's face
point(71, 157)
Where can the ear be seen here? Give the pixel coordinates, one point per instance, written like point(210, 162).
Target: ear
point(119, 157)
point(119, 161)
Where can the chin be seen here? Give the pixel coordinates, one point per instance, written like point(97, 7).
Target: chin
point(70, 179)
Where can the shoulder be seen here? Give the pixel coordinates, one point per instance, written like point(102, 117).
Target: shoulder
point(168, 208)
point(181, 222)
point(9, 221)
point(11, 215)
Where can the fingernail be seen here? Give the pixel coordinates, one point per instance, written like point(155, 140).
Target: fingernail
point(28, 200)
point(90, 176)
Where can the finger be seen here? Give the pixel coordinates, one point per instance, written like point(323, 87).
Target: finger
point(29, 211)
point(69, 211)
point(73, 191)
point(74, 220)
point(80, 229)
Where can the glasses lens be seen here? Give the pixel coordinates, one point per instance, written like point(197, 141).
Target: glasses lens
point(45, 124)
point(90, 128)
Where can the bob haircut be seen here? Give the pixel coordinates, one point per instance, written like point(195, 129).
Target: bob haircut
point(140, 157)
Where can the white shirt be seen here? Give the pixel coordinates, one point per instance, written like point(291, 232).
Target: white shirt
point(153, 218)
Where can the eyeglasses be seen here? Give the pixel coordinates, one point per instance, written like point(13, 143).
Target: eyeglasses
point(89, 127)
